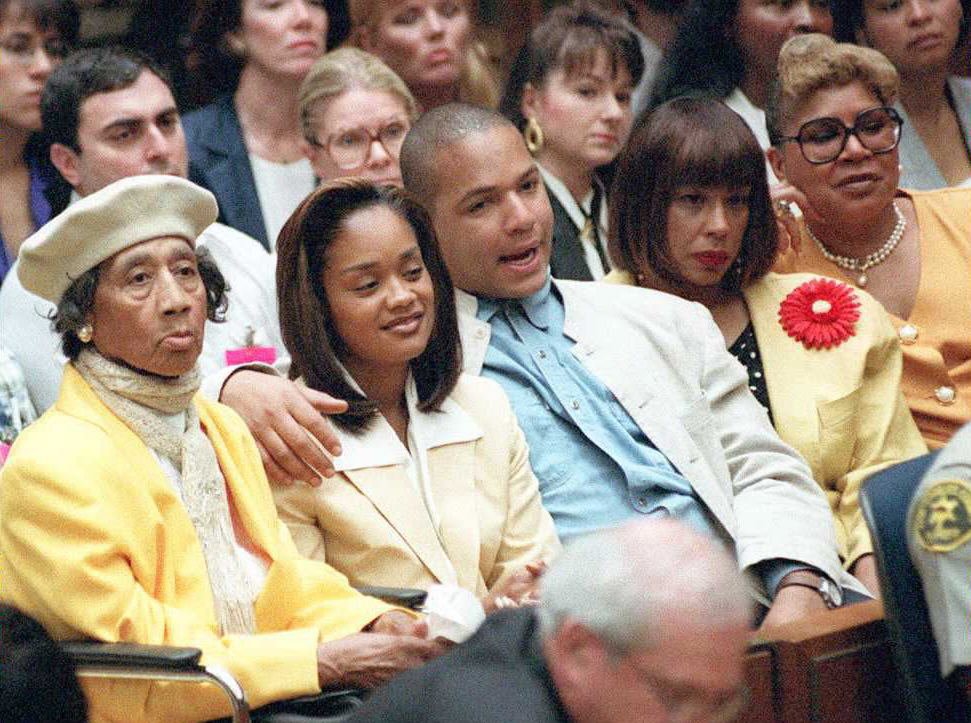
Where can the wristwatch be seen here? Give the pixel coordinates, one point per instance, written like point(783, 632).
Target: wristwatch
point(831, 594)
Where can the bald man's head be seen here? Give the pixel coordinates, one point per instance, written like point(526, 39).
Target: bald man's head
point(435, 131)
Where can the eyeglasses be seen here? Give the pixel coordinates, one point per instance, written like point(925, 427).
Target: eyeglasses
point(686, 705)
point(350, 149)
point(23, 48)
point(822, 140)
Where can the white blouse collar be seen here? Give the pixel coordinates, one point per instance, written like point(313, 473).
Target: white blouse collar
point(379, 446)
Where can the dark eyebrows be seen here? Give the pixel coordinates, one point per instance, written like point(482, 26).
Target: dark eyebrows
point(413, 252)
point(529, 173)
point(132, 123)
point(182, 252)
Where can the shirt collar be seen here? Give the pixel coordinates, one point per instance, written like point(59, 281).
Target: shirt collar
point(379, 446)
point(534, 306)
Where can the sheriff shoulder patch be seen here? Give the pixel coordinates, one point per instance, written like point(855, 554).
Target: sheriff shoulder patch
point(942, 516)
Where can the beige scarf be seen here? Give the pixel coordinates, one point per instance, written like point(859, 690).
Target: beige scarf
point(140, 401)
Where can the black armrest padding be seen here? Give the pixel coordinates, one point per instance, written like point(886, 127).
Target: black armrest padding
point(132, 655)
point(406, 597)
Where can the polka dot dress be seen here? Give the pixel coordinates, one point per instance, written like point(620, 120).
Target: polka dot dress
point(746, 350)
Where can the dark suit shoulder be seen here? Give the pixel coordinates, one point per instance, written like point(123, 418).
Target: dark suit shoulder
point(492, 678)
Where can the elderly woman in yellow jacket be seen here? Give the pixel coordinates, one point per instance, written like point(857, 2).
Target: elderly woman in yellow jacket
point(691, 215)
point(136, 511)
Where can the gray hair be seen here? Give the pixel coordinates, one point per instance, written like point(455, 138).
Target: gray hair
point(344, 69)
point(620, 584)
point(434, 130)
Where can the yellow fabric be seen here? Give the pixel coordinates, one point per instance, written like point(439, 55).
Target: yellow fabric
point(840, 408)
point(94, 543)
point(372, 525)
point(942, 310)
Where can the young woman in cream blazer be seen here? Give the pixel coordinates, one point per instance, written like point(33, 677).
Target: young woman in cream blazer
point(433, 482)
point(822, 358)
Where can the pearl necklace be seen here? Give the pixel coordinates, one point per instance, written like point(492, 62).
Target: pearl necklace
point(868, 262)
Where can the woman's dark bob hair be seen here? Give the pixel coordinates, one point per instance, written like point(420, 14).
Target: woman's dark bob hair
point(568, 38)
point(78, 301)
point(305, 318)
point(688, 142)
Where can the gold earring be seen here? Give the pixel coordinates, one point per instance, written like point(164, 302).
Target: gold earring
point(236, 46)
point(533, 135)
point(85, 333)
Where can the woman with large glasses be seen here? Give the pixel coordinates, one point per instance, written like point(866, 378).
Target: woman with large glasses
point(34, 37)
point(920, 38)
point(835, 136)
point(354, 113)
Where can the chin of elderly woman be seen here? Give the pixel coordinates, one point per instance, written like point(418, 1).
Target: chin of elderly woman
point(150, 501)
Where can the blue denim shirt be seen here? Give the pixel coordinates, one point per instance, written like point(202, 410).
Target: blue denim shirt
point(595, 466)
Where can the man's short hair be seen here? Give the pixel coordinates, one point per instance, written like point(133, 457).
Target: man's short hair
point(437, 129)
point(83, 74)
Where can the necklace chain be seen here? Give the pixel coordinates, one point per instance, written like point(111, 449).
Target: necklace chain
point(869, 261)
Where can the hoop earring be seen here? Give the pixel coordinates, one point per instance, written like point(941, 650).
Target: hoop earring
point(85, 333)
point(533, 134)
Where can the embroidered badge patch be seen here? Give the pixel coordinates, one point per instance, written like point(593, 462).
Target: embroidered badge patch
point(942, 516)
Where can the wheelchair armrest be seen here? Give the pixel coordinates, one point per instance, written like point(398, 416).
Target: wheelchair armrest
point(132, 655)
point(406, 597)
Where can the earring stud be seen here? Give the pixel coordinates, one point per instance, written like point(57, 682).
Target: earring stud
point(85, 333)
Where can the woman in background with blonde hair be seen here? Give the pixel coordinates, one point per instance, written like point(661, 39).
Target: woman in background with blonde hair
point(354, 114)
point(431, 44)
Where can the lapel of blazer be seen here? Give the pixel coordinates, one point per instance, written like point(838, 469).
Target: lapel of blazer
point(763, 299)
point(227, 172)
point(567, 260)
point(631, 381)
point(473, 333)
point(452, 469)
point(394, 497)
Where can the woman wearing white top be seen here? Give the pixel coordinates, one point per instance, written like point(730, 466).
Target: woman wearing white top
point(434, 483)
point(728, 49)
point(569, 92)
point(247, 147)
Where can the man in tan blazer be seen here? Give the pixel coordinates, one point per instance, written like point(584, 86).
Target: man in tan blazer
point(667, 400)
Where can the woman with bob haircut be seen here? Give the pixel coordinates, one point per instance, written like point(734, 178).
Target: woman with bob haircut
point(26, 174)
point(569, 93)
point(835, 135)
point(434, 483)
point(355, 113)
point(921, 39)
point(246, 146)
point(728, 49)
point(691, 215)
point(431, 45)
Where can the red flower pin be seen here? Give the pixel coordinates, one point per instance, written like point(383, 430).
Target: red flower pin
point(821, 313)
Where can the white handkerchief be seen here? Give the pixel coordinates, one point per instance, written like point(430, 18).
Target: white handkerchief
point(453, 612)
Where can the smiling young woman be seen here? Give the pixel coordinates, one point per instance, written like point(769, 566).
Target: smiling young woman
point(368, 315)
point(691, 215)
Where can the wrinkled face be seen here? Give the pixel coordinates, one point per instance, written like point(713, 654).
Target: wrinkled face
point(381, 297)
point(423, 41)
point(28, 54)
point(915, 35)
point(705, 226)
point(150, 307)
point(761, 28)
point(367, 125)
point(586, 116)
point(859, 184)
point(492, 215)
point(128, 132)
point(282, 37)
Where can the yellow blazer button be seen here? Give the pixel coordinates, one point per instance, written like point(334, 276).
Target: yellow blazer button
point(908, 334)
point(945, 395)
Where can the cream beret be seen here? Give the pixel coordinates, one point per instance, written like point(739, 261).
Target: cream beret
point(128, 212)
